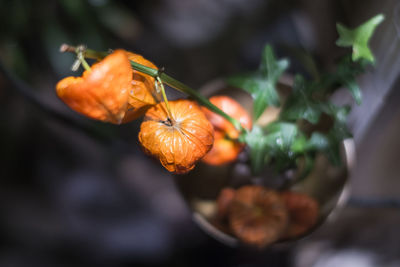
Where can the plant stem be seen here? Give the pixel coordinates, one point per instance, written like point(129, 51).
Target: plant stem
point(200, 98)
point(187, 90)
point(158, 81)
point(85, 65)
point(88, 53)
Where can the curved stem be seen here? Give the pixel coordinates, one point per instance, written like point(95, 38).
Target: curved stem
point(200, 98)
point(85, 65)
point(158, 81)
point(88, 53)
point(187, 90)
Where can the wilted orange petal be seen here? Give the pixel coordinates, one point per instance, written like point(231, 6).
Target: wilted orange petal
point(142, 93)
point(102, 92)
point(179, 144)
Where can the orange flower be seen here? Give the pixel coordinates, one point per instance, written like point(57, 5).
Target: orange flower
point(102, 92)
point(225, 149)
point(178, 142)
point(303, 212)
point(142, 94)
point(257, 215)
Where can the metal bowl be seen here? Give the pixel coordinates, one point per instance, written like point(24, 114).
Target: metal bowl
point(326, 183)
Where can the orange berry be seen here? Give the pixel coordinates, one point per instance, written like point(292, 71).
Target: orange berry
point(178, 142)
point(225, 149)
point(257, 215)
point(102, 92)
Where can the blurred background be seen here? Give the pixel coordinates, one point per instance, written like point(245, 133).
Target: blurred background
point(74, 192)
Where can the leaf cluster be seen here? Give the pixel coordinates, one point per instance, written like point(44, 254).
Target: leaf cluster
point(308, 122)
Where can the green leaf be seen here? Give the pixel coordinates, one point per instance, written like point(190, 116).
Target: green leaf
point(354, 89)
point(275, 142)
point(262, 91)
point(262, 84)
point(328, 143)
point(279, 139)
point(346, 74)
point(331, 142)
point(258, 148)
point(305, 165)
point(317, 142)
point(299, 145)
point(270, 67)
point(358, 38)
point(300, 104)
point(280, 136)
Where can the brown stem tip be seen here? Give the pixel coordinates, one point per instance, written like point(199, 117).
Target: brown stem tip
point(67, 48)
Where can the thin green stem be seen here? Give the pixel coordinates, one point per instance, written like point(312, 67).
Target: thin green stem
point(200, 98)
point(85, 65)
point(88, 53)
point(187, 90)
point(158, 80)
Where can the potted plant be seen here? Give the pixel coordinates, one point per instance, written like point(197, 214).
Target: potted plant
point(271, 156)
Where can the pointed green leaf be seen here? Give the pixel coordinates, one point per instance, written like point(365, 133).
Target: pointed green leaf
point(337, 134)
point(329, 142)
point(317, 141)
point(280, 135)
point(270, 67)
point(279, 139)
point(273, 141)
point(346, 74)
point(258, 148)
point(354, 89)
point(262, 84)
point(299, 145)
point(305, 165)
point(300, 104)
point(359, 37)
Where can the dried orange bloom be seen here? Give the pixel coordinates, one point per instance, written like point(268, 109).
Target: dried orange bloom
point(180, 141)
point(257, 215)
point(142, 93)
point(102, 92)
point(303, 212)
point(225, 149)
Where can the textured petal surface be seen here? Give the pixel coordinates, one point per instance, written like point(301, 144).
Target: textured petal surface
point(142, 92)
point(177, 145)
point(102, 92)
